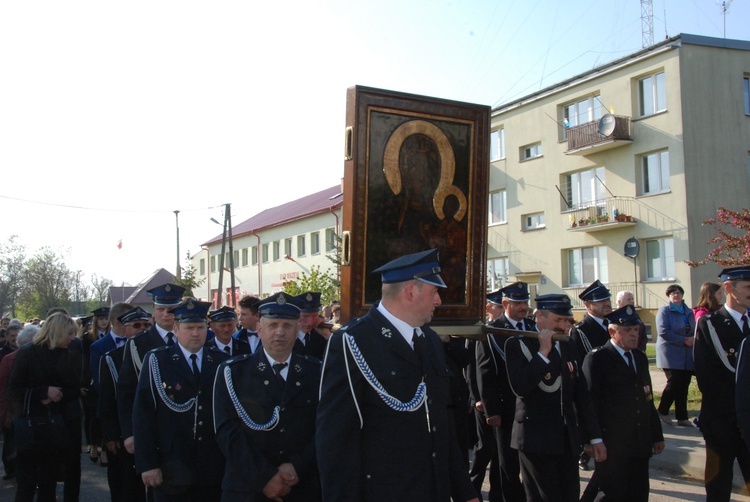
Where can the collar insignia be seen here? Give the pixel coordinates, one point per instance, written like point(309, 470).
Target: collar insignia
point(386, 332)
point(262, 366)
point(297, 368)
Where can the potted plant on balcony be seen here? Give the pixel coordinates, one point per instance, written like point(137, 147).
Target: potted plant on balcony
point(583, 222)
point(602, 218)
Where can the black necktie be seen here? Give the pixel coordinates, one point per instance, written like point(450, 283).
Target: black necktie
point(227, 349)
point(119, 340)
point(605, 322)
point(418, 342)
point(170, 339)
point(629, 357)
point(307, 339)
point(519, 326)
point(194, 364)
point(277, 367)
point(745, 327)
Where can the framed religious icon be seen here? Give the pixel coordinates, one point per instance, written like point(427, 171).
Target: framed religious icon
point(415, 178)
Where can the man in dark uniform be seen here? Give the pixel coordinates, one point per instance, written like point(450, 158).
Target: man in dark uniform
point(265, 406)
point(224, 323)
point(161, 333)
point(497, 397)
point(554, 414)
point(311, 340)
point(124, 483)
point(176, 451)
point(591, 332)
point(249, 322)
point(717, 342)
point(620, 387)
point(384, 431)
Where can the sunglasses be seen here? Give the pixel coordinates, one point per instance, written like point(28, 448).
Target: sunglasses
point(139, 325)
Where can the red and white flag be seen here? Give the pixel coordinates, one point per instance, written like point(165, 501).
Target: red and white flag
point(119, 244)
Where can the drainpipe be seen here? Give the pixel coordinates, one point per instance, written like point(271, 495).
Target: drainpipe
point(260, 261)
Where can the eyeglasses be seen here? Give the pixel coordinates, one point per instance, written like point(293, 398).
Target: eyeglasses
point(139, 325)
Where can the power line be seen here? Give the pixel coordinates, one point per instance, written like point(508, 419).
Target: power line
point(108, 210)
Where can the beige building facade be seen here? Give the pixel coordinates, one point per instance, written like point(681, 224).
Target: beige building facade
point(646, 147)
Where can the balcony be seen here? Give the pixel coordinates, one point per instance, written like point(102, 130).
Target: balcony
point(600, 215)
point(588, 138)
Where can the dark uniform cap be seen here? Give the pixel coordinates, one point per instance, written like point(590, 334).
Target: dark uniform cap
point(423, 266)
point(516, 292)
point(86, 321)
point(191, 310)
point(101, 312)
point(741, 273)
point(555, 303)
point(166, 294)
point(596, 292)
point(495, 297)
point(136, 314)
point(624, 316)
point(225, 313)
point(309, 302)
point(279, 306)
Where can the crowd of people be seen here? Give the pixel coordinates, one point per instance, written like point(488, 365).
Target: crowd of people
point(276, 400)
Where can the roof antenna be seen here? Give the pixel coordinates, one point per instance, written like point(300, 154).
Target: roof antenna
point(724, 7)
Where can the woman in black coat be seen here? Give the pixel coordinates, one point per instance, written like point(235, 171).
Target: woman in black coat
point(49, 370)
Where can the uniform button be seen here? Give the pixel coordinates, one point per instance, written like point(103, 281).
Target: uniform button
point(393, 372)
point(368, 477)
point(200, 407)
point(434, 429)
point(297, 384)
point(281, 452)
point(200, 438)
point(265, 382)
point(429, 401)
point(434, 455)
point(282, 430)
point(200, 423)
point(283, 409)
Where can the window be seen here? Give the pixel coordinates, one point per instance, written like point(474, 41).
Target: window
point(213, 264)
point(254, 255)
point(581, 112)
point(531, 151)
point(660, 259)
point(236, 257)
point(498, 207)
point(315, 242)
point(276, 251)
point(497, 145)
point(288, 247)
point(533, 221)
point(746, 88)
point(497, 273)
point(202, 266)
point(652, 94)
point(585, 188)
point(655, 173)
point(330, 240)
point(585, 265)
point(244, 257)
point(264, 252)
point(300, 245)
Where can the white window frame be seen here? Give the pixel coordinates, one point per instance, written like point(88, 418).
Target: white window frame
point(652, 94)
point(254, 255)
point(577, 266)
point(301, 245)
point(531, 151)
point(315, 243)
point(583, 188)
point(501, 197)
point(498, 273)
point(533, 221)
point(330, 241)
point(660, 260)
point(264, 252)
point(288, 247)
point(581, 111)
point(655, 171)
point(276, 250)
point(202, 266)
point(497, 144)
point(244, 257)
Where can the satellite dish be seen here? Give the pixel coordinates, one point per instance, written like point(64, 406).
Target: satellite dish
point(607, 125)
point(632, 247)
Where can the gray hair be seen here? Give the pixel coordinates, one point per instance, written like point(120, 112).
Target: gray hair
point(621, 295)
point(27, 334)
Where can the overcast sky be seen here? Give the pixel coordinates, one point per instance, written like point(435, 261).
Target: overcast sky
point(115, 114)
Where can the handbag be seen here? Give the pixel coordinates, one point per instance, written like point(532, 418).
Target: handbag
point(40, 434)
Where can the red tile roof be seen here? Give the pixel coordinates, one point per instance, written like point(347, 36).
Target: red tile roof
point(310, 205)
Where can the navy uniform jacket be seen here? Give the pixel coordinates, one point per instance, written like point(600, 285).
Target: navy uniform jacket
point(623, 401)
point(391, 455)
point(253, 456)
point(714, 370)
point(541, 416)
point(96, 353)
point(107, 407)
point(129, 372)
point(742, 393)
point(492, 376)
point(238, 346)
point(183, 444)
point(594, 333)
point(315, 347)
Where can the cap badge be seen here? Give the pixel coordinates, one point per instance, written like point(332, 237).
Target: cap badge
point(190, 306)
point(629, 310)
point(309, 297)
point(281, 300)
point(167, 288)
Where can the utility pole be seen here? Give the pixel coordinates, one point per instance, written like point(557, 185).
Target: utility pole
point(228, 219)
point(220, 293)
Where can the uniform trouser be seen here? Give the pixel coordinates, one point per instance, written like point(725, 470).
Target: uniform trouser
point(9, 447)
point(676, 391)
point(192, 493)
point(550, 478)
point(125, 485)
point(723, 445)
point(510, 467)
point(623, 479)
point(485, 453)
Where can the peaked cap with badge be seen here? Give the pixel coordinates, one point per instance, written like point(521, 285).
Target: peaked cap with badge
point(167, 294)
point(556, 303)
point(596, 292)
point(225, 313)
point(423, 266)
point(279, 306)
point(516, 292)
point(624, 316)
point(191, 310)
point(739, 273)
point(309, 302)
point(136, 314)
point(495, 297)
point(101, 312)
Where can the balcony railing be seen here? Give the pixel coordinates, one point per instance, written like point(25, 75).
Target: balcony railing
point(600, 215)
point(587, 137)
